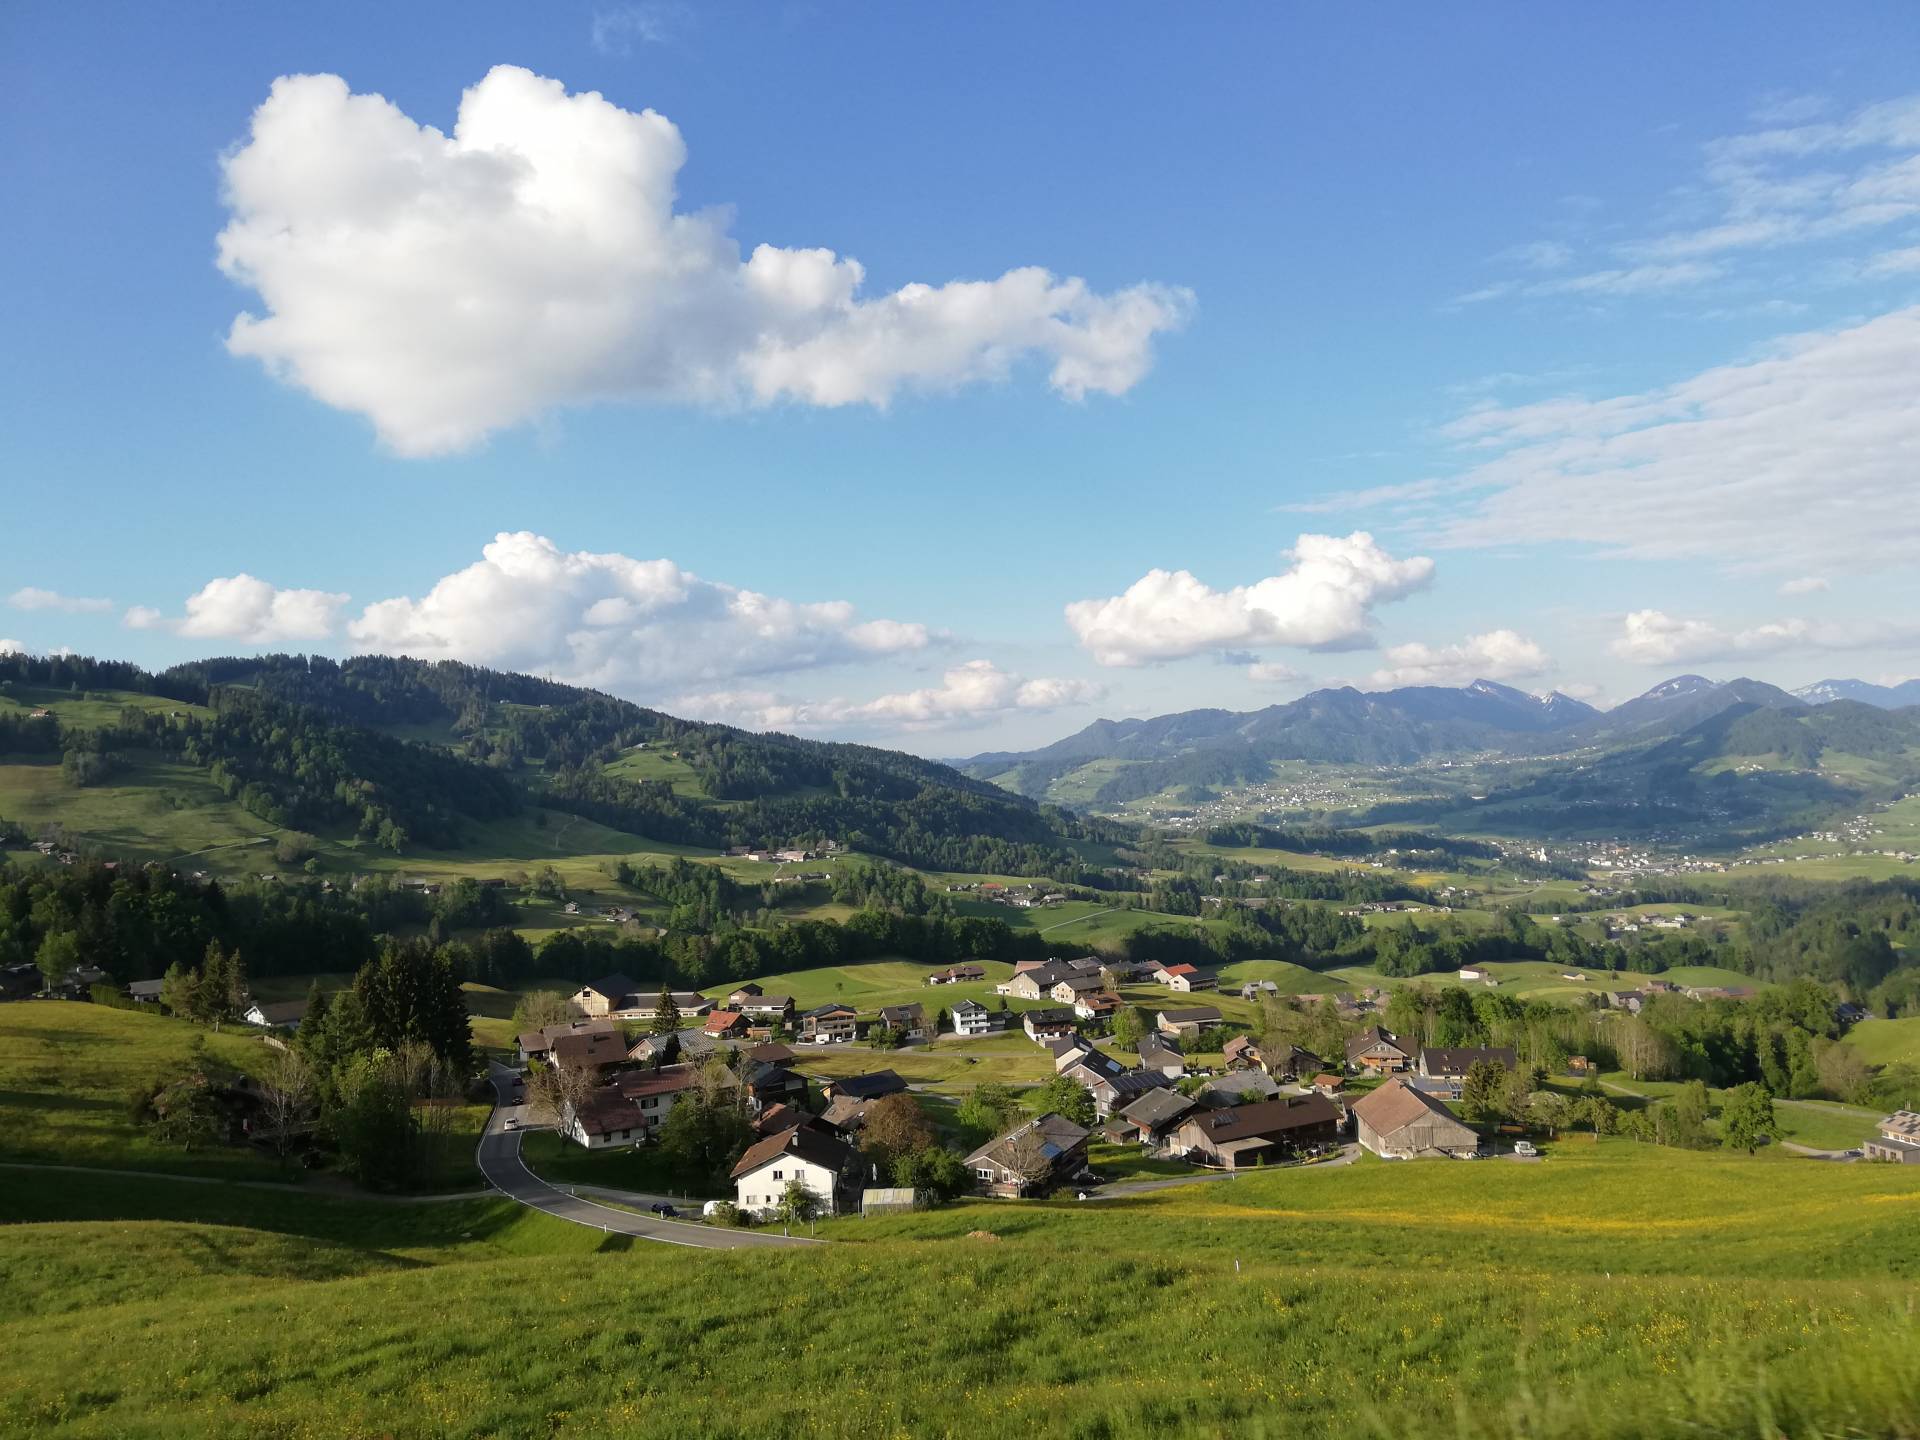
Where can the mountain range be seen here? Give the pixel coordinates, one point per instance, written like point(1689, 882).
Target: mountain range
point(1348, 726)
point(1886, 697)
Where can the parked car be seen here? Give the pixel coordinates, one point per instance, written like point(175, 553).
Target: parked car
point(713, 1208)
point(510, 1124)
point(1524, 1147)
point(664, 1210)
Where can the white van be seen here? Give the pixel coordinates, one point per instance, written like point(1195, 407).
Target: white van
point(1524, 1149)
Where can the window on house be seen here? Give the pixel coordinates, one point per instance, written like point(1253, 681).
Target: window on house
point(984, 1173)
point(779, 1175)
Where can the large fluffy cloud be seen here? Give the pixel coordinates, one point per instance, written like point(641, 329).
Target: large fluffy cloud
point(1493, 655)
point(448, 285)
point(1796, 461)
point(1323, 601)
point(618, 623)
point(1653, 637)
point(31, 597)
point(244, 608)
point(968, 694)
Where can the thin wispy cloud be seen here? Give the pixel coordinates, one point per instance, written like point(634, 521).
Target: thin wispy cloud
point(618, 29)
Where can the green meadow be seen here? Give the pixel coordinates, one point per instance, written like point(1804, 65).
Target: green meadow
point(1612, 1291)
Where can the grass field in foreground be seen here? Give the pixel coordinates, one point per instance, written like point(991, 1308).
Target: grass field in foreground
point(1611, 1291)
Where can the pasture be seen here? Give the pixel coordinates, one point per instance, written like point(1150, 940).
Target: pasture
point(65, 1072)
point(1614, 1291)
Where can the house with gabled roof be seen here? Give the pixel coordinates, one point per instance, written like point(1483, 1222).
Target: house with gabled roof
point(908, 1020)
point(1048, 1024)
point(829, 1024)
point(1030, 1159)
point(538, 1044)
point(1162, 1053)
point(826, 1165)
point(1237, 1087)
point(1236, 1137)
point(1377, 1051)
point(873, 1085)
point(1400, 1122)
point(1188, 1021)
point(1149, 1118)
point(1111, 1084)
point(1449, 1065)
point(1898, 1140)
point(603, 996)
point(1242, 1052)
point(970, 1017)
point(604, 1120)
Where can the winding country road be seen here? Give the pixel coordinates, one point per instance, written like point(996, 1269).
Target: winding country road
point(500, 1162)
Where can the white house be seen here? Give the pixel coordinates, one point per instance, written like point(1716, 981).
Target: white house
point(826, 1166)
point(970, 1017)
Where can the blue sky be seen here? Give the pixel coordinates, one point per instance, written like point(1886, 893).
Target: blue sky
point(1598, 324)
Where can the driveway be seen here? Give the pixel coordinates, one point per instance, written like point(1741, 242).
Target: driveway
point(500, 1162)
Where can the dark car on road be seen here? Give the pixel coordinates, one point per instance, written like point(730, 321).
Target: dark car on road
point(664, 1210)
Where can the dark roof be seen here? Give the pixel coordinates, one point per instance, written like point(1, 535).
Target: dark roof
point(614, 987)
point(1460, 1059)
point(748, 989)
point(915, 1012)
point(765, 1076)
point(803, 1143)
point(1191, 1012)
point(770, 1053)
point(1051, 1015)
point(1158, 1044)
point(605, 1111)
point(867, 1087)
point(667, 1081)
point(1157, 1107)
point(593, 1048)
point(282, 1012)
point(1266, 1117)
point(1368, 1038)
point(145, 987)
point(1058, 1134)
point(821, 1011)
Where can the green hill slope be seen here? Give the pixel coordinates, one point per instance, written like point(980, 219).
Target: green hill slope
point(1622, 1292)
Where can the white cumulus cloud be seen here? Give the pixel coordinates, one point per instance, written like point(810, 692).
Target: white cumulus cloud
point(617, 623)
point(1323, 601)
point(1653, 637)
point(447, 285)
point(969, 694)
point(13, 647)
point(1492, 655)
point(244, 608)
point(31, 597)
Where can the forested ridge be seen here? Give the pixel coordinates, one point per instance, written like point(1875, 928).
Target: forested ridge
point(299, 741)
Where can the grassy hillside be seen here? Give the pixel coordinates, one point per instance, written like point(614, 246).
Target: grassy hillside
point(1887, 1042)
point(1615, 1292)
point(65, 1070)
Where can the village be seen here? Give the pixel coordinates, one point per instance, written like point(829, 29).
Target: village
point(1196, 1094)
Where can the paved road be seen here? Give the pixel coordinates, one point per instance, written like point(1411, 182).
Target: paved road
point(499, 1160)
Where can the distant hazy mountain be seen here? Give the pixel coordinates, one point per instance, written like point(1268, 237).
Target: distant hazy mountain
point(1679, 704)
point(1343, 726)
point(1886, 697)
point(1348, 726)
